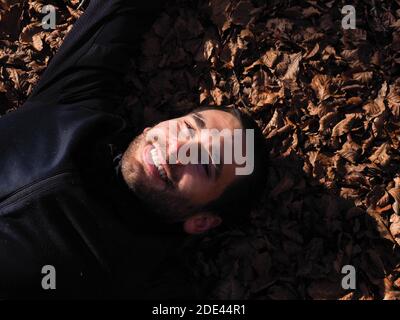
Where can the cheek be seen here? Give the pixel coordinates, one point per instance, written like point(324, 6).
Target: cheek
point(198, 191)
point(188, 183)
point(189, 187)
point(190, 176)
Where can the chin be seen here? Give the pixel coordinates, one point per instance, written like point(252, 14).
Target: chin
point(131, 168)
point(134, 172)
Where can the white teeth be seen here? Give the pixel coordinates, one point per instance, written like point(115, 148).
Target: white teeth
point(159, 167)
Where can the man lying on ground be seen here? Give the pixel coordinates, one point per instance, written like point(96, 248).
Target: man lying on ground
point(84, 215)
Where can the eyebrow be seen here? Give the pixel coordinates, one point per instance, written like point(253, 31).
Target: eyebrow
point(199, 119)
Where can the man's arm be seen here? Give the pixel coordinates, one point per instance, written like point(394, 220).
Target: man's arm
point(91, 63)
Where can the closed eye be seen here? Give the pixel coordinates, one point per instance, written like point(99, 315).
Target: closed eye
point(187, 124)
point(190, 129)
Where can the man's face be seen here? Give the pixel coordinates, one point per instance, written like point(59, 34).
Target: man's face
point(177, 188)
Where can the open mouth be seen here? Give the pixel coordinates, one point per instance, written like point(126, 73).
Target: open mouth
point(157, 163)
point(155, 166)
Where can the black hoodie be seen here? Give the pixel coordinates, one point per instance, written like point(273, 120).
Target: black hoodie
point(61, 202)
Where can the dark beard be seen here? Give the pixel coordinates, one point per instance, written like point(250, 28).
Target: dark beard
point(166, 204)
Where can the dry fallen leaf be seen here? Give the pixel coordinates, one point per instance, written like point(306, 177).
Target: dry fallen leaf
point(320, 84)
point(393, 99)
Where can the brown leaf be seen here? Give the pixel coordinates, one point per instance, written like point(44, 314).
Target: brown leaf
point(393, 99)
point(327, 120)
point(373, 109)
point(293, 69)
point(377, 107)
point(381, 155)
point(261, 94)
point(313, 52)
point(241, 14)
point(392, 295)
point(310, 11)
point(269, 58)
point(350, 151)
point(348, 296)
point(364, 77)
point(275, 123)
point(395, 193)
point(219, 13)
point(217, 95)
point(37, 42)
point(354, 101)
point(382, 228)
point(343, 126)
point(395, 227)
point(320, 84)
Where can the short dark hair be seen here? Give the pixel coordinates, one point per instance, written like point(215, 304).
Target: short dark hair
point(238, 199)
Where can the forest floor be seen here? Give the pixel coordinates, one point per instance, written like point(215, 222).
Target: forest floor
point(327, 100)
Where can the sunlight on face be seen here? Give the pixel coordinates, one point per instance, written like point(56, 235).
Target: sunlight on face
point(178, 187)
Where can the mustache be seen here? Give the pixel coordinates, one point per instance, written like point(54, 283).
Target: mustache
point(160, 143)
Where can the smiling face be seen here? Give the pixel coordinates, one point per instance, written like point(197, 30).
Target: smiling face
point(179, 189)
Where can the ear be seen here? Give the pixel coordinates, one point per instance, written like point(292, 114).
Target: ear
point(201, 222)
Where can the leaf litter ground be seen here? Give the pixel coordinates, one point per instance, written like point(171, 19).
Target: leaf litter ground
point(327, 100)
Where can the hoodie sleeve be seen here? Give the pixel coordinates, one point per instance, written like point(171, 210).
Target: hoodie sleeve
point(91, 64)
